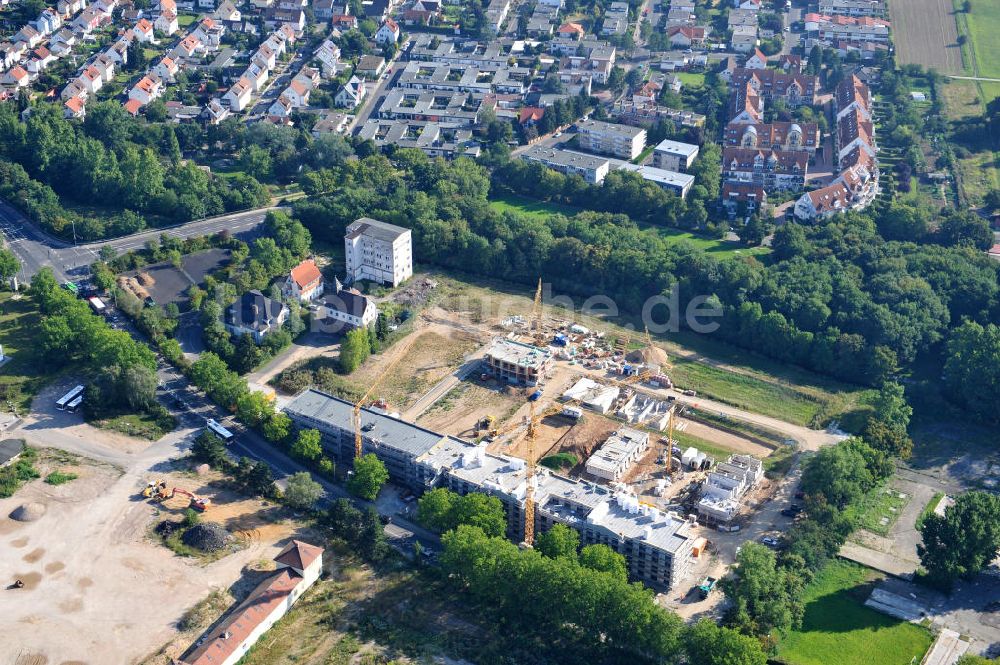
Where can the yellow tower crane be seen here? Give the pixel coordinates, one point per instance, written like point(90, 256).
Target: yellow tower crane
point(536, 310)
point(401, 352)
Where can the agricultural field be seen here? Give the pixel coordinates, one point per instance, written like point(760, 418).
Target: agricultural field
point(925, 33)
point(982, 26)
point(978, 171)
point(838, 628)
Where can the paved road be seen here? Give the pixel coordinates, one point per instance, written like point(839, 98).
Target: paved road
point(36, 249)
point(793, 38)
point(377, 90)
point(974, 78)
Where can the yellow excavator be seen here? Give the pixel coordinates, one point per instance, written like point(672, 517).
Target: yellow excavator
point(154, 487)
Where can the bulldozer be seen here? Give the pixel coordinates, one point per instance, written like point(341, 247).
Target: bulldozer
point(487, 424)
point(153, 488)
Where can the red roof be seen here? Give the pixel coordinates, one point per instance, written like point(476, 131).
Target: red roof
point(133, 106)
point(530, 114)
point(299, 555)
point(74, 104)
point(306, 273)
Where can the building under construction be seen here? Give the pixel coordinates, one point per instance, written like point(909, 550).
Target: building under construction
point(658, 546)
point(726, 485)
point(615, 456)
point(517, 363)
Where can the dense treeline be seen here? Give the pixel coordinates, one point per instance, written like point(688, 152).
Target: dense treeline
point(837, 298)
point(114, 161)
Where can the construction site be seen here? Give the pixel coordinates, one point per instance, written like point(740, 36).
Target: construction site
point(547, 413)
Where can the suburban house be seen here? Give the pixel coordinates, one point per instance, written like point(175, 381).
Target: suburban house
point(378, 251)
point(147, 89)
point(215, 112)
point(166, 22)
point(256, 315)
point(351, 94)
point(143, 32)
point(757, 60)
point(166, 69)
point(686, 36)
point(238, 95)
point(347, 309)
point(388, 33)
point(74, 107)
point(298, 566)
point(744, 39)
point(304, 282)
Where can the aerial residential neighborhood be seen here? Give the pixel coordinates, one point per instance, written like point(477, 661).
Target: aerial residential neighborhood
point(660, 332)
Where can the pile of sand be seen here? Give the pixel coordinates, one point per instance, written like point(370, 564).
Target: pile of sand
point(28, 512)
point(652, 355)
point(207, 537)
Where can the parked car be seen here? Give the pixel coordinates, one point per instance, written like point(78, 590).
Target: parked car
point(771, 542)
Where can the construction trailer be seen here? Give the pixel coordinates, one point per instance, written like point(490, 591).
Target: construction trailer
point(517, 363)
point(658, 546)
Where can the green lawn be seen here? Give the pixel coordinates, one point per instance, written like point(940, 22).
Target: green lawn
point(21, 377)
point(184, 20)
point(541, 210)
point(984, 26)
point(886, 504)
point(839, 629)
point(691, 79)
point(529, 207)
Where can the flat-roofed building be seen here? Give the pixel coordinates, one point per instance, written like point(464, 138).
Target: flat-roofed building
point(614, 457)
point(674, 155)
point(608, 138)
point(591, 168)
point(378, 251)
point(677, 183)
point(443, 106)
point(516, 362)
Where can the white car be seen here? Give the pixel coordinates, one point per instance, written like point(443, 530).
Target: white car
point(557, 134)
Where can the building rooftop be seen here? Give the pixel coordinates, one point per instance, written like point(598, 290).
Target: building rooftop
point(608, 127)
point(620, 446)
point(564, 157)
point(378, 427)
point(660, 176)
point(518, 353)
point(373, 228)
point(676, 148)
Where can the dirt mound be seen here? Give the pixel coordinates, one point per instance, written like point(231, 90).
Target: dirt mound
point(28, 512)
point(145, 279)
point(652, 355)
point(167, 527)
point(207, 537)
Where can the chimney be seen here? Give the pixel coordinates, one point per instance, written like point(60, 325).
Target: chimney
point(256, 312)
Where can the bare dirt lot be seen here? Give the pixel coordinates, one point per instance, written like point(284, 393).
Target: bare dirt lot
point(436, 353)
point(925, 33)
point(467, 404)
point(170, 285)
point(98, 587)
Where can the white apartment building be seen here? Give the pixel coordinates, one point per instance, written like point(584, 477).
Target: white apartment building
point(378, 251)
point(608, 138)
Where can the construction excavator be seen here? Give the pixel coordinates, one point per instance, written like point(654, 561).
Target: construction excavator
point(200, 504)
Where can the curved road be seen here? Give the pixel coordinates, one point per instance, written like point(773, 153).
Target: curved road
point(37, 249)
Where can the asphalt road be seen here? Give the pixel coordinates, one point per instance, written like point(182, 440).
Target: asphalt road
point(36, 249)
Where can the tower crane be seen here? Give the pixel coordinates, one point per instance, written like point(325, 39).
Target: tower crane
point(400, 354)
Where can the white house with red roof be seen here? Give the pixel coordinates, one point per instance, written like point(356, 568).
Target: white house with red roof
point(167, 22)
point(166, 69)
point(143, 32)
point(16, 77)
point(388, 33)
point(757, 60)
point(299, 565)
point(74, 107)
point(91, 79)
point(304, 282)
point(147, 89)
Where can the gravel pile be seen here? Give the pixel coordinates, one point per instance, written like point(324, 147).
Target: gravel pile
point(207, 537)
point(28, 512)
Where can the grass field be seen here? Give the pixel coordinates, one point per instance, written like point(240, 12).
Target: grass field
point(876, 506)
point(691, 78)
point(839, 629)
point(983, 24)
point(21, 377)
point(542, 209)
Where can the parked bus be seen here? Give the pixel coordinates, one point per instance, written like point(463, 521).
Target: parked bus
point(69, 397)
point(75, 404)
point(219, 431)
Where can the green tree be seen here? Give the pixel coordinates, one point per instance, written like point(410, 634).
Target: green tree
point(764, 597)
point(891, 407)
point(434, 509)
point(302, 491)
point(604, 559)
point(308, 445)
point(368, 477)
point(277, 428)
point(209, 449)
point(354, 350)
point(962, 542)
point(558, 541)
point(708, 644)
point(972, 369)
point(9, 265)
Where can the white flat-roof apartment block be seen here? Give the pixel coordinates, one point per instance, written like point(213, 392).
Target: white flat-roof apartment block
point(672, 181)
point(441, 106)
point(516, 362)
point(482, 79)
point(658, 546)
point(616, 455)
point(378, 251)
point(589, 167)
point(610, 139)
point(674, 155)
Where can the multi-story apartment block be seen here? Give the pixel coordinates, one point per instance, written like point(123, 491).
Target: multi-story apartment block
point(852, 7)
point(770, 169)
point(378, 251)
point(607, 138)
point(591, 168)
point(454, 107)
point(517, 363)
point(659, 547)
point(674, 155)
point(774, 135)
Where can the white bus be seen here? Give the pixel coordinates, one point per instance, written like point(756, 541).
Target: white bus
point(219, 431)
point(69, 397)
point(75, 404)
